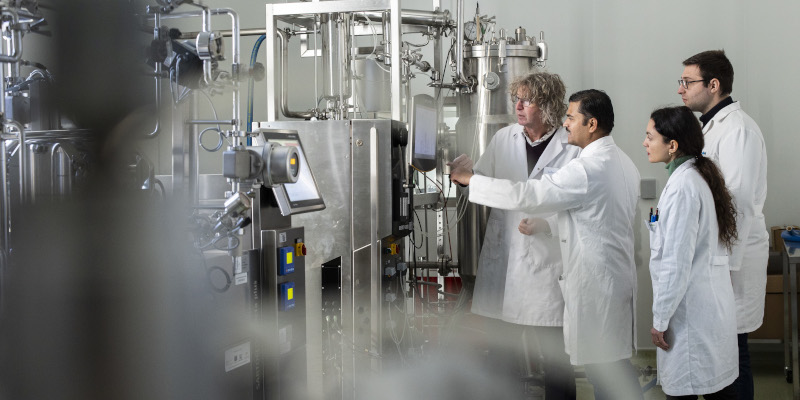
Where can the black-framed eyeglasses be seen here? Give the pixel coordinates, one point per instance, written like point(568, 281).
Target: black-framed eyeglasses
point(525, 102)
point(685, 83)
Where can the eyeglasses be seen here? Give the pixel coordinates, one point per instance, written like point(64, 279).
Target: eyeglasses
point(525, 102)
point(685, 83)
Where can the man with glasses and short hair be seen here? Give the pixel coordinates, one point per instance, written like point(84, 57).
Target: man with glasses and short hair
point(520, 261)
point(596, 197)
point(735, 143)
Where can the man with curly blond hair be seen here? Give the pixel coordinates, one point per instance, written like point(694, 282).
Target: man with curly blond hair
point(517, 281)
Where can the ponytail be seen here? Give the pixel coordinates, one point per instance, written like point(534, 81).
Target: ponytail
point(723, 201)
point(680, 124)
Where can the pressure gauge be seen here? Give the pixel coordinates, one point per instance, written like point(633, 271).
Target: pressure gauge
point(470, 30)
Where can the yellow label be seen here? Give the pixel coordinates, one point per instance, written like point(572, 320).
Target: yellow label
point(290, 294)
point(288, 257)
point(293, 161)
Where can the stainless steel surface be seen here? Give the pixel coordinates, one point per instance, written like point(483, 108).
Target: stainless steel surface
point(286, 352)
point(481, 114)
point(157, 78)
point(212, 187)
point(398, 112)
point(16, 38)
point(328, 232)
point(372, 83)
point(506, 50)
point(791, 260)
point(336, 45)
point(283, 41)
point(459, 39)
point(286, 11)
point(210, 122)
point(51, 167)
point(325, 7)
point(206, 13)
point(411, 17)
point(351, 161)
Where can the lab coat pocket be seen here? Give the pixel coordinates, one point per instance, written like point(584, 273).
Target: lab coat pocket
point(719, 261)
point(655, 235)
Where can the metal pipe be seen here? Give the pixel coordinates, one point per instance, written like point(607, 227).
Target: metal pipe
point(157, 77)
point(23, 156)
point(398, 113)
point(411, 17)
point(4, 209)
point(16, 42)
point(284, 63)
point(235, 65)
point(387, 35)
point(210, 122)
point(206, 14)
point(194, 154)
point(439, 19)
point(460, 41)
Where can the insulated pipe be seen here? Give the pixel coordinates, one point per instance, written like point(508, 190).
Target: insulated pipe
point(284, 63)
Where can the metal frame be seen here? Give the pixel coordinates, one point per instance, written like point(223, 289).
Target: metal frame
point(791, 260)
point(281, 12)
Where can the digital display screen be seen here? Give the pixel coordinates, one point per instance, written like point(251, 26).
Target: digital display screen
point(424, 132)
point(305, 188)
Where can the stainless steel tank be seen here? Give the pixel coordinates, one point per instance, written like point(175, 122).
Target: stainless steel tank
point(336, 45)
point(481, 114)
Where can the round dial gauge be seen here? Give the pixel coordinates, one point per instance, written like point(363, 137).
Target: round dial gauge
point(470, 30)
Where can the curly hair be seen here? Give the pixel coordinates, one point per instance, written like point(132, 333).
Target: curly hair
point(547, 91)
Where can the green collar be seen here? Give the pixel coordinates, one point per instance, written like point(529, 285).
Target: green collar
point(674, 164)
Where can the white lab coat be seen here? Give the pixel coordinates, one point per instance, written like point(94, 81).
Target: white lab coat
point(735, 142)
point(595, 196)
point(692, 292)
point(517, 279)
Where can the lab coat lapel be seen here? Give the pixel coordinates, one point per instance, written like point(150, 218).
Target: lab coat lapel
point(721, 114)
point(553, 149)
point(519, 157)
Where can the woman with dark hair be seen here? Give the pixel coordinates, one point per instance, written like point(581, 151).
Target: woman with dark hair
point(694, 311)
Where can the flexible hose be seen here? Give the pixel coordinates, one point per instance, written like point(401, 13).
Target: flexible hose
point(250, 86)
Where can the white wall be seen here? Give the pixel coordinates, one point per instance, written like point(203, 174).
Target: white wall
point(633, 50)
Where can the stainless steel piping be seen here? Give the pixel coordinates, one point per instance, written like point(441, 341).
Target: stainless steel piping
point(206, 14)
point(460, 42)
point(4, 210)
point(23, 156)
point(16, 43)
point(157, 77)
point(210, 122)
point(235, 65)
point(284, 52)
point(410, 17)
